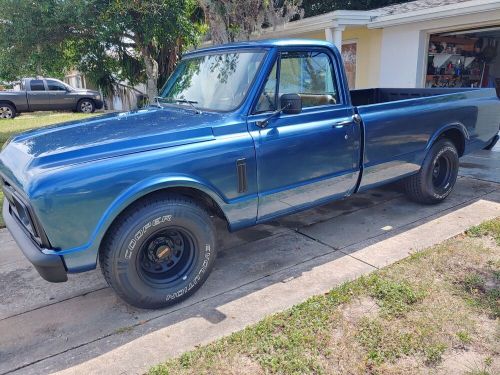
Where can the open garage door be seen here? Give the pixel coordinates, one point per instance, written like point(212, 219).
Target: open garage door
point(464, 59)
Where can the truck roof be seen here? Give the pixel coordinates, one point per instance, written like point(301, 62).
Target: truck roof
point(265, 43)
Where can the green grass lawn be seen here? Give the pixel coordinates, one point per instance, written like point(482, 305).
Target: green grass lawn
point(28, 121)
point(436, 312)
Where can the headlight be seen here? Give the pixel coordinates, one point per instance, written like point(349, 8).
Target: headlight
point(98, 97)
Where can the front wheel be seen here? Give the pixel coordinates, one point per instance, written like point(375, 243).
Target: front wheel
point(159, 252)
point(437, 176)
point(86, 106)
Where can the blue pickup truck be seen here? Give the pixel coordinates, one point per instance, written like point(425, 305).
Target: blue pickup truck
point(247, 132)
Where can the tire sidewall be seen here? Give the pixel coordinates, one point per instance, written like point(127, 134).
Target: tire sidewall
point(441, 148)
point(128, 282)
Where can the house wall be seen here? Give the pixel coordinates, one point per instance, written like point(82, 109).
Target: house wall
point(404, 47)
point(75, 79)
point(368, 55)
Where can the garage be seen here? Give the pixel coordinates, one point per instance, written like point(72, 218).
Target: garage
point(468, 58)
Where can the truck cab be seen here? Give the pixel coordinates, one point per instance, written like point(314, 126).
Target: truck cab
point(47, 93)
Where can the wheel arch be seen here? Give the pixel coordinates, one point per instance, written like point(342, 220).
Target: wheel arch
point(457, 133)
point(84, 98)
point(201, 192)
point(10, 103)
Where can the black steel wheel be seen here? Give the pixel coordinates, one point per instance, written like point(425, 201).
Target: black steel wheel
point(437, 176)
point(159, 251)
point(166, 255)
point(442, 173)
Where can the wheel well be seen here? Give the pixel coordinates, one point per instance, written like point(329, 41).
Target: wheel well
point(199, 196)
point(80, 100)
point(457, 138)
point(8, 102)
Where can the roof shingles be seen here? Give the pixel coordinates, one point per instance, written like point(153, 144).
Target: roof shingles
point(415, 5)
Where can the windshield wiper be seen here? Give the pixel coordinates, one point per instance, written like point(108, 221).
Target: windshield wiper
point(180, 100)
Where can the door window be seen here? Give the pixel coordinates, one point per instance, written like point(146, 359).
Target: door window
point(55, 85)
point(309, 74)
point(37, 85)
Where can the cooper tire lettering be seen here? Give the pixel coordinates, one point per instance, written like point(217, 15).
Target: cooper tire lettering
point(140, 233)
point(197, 278)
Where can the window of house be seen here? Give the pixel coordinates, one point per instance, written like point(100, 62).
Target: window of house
point(37, 85)
point(349, 57)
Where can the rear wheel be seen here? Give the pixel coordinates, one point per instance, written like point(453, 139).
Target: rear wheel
point(7, 111)
point(159, 252)
point(437, 177)
point(86, 106)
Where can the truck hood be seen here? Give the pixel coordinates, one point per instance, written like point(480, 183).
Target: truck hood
point(86, 92)
point(103, 137)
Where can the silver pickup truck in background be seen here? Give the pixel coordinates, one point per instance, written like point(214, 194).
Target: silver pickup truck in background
point(40, 94)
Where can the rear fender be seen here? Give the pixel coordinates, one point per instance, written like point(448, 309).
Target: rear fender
point(440, 131)
point(9, 102)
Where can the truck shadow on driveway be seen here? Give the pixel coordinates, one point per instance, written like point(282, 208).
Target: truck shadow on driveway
point(48, 327)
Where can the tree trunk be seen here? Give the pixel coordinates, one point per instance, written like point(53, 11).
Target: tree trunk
point(167, 60)
point(151, 74)
point(219, 33)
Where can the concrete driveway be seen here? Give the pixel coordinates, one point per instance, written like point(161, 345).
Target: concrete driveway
point(82, 327)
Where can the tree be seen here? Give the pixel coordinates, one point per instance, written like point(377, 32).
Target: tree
point(231, 20)
point(32, 36)
point(108, 40)
point(147, 35)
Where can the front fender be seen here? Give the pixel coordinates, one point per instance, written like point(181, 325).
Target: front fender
point(137, 191)
point(145, 187)
point(239, 213)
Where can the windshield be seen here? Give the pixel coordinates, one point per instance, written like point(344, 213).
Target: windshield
point(217, 82)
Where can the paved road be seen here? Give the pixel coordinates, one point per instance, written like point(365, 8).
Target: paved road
point(81, 327)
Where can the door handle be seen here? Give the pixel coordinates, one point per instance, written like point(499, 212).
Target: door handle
point(355, 118)
point(341, 124)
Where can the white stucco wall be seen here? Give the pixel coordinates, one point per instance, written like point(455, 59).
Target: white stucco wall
point(399, 56)
point(404, 47)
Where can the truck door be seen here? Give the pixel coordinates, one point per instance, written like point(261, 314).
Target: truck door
point(38, 96)
point(307, 158)
point(60, 97)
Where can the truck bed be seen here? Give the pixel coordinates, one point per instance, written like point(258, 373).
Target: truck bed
point(399, 125)
point(385, 95)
